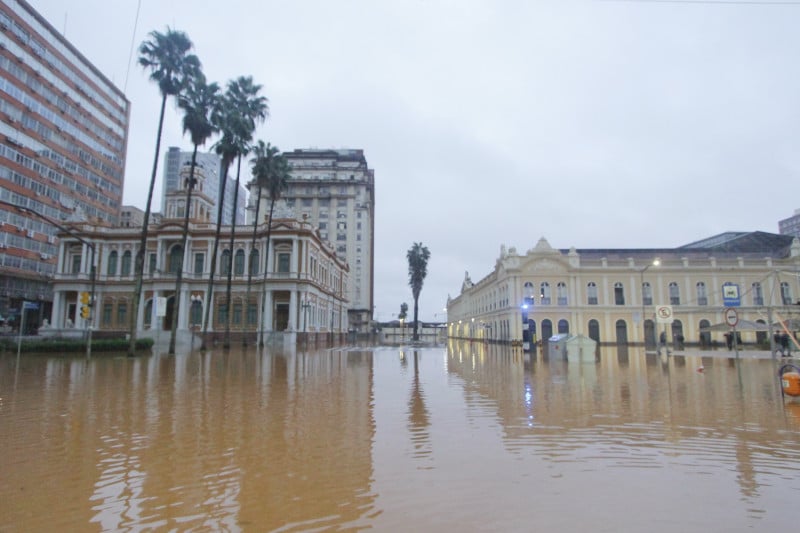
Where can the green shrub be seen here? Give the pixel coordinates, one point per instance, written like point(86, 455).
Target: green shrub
point(73, 345)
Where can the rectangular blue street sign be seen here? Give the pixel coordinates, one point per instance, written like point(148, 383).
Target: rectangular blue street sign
point(730, 295)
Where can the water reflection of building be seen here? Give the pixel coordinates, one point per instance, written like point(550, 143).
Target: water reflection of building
point(628, 411)
point(611, 295)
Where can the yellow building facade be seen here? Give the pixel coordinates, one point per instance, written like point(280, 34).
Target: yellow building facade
point(612, 295)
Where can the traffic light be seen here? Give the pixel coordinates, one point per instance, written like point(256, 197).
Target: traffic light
point(86, 305)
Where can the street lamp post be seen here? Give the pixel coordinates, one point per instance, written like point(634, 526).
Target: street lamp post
point(655, 262)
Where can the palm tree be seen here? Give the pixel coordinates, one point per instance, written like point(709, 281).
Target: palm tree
point(249, 108)
point(237, 129)
point(276, 181)
point(418, 256)
point(263, 157)
point(171, 66)
point(197, 103)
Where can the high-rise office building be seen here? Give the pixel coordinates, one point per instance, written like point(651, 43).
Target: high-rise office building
point(63, 136)
point(335, 191)
point(791, 225)
point(175, 160)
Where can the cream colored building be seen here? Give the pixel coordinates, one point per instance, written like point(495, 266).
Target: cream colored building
point(606, 293)
point(305, 282)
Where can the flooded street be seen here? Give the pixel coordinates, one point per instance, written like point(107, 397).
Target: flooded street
point(458, 438)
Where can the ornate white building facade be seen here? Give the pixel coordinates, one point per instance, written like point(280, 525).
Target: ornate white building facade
point(611, 295)
point(305, 283)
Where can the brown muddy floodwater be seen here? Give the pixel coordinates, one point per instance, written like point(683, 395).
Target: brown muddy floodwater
point(458, 438)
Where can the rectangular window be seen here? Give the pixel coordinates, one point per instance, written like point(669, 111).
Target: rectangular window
point(76, 264)
point(199, 259)
point(222, 314)
point(107, 310)
point(122, 314)
point(252, 314)
point(283, 262)
point(237, 314)
point(152, 265)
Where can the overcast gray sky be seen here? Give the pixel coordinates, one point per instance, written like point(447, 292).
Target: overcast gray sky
point(593, 123)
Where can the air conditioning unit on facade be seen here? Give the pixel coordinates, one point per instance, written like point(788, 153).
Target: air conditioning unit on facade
point(44, 257)
point(31, 233)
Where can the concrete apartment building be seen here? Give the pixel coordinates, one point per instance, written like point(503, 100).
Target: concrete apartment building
point(334, 190)
point(611, 295)
point(175, 160)
point(63, 136)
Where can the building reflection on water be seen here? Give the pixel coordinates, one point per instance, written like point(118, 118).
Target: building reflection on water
point(388, 438)
point(628, 400)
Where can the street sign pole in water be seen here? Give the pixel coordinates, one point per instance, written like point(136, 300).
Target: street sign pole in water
point(732, 318)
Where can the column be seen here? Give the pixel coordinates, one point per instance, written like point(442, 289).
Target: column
point(293, 308)
point(57, 315)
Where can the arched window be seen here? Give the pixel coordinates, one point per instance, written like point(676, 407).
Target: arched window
point(112, 264)
point(563, 326)
point(702, 295)
point(619, 294)
point(647, 293)
point(527, 289)
point(561, 291)
point(254, 261)
point(594, 330)
point(758, 294)
point(591, 293)
point(674, 294)
point(239, 262)
point(527, 293)
point(175, 259)
point(544, 292)
point(225, 265)
point(181, 209)
point(125, 269)
point(786, 293)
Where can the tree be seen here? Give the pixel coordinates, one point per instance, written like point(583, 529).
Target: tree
point(236, 128)
point(418, 256)
point(271, 172)
point(197, 103)
point(171, 67)
point(248, 108)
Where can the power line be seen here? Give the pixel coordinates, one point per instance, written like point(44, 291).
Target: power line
point(711, 2)
point(133, 40)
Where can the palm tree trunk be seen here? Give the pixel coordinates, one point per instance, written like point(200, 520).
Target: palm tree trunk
point(416, 310)
point(184, 238)
point(250, 262)
point(266, 269)
point(226, 343)
point(213, 258)
point(139, 262)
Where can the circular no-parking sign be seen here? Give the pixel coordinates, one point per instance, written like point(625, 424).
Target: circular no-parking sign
point(731, 317)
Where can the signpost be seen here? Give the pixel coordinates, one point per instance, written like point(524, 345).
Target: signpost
point(664, 316)
point(732, 318)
